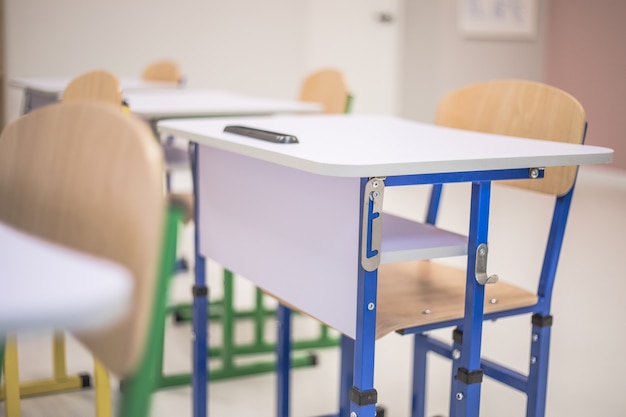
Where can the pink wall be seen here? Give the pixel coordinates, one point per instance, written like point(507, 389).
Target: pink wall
point(586, 47)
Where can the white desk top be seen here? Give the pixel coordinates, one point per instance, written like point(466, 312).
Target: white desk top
point(56, 85)
point(368, 145)
point(43, 286)
point(171, 103)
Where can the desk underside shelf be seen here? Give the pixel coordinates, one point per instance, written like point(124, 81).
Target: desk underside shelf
point(413, 291)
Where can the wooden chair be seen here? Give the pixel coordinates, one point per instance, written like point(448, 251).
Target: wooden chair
point(416, 297)
point(104, 87)
point(327, 86)
point(88, 176)
point(164, 71)
point(97, 85)
point(83, 88)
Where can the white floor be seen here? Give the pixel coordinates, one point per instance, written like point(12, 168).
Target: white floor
point(587, 360)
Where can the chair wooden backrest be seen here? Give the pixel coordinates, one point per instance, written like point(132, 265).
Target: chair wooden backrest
point(94, 85)
point(328, 87)
point(519, 108)
point(164, 70)
point(88, 176)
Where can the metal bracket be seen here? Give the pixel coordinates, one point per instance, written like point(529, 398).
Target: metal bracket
point(481, 266)
point(371, 232)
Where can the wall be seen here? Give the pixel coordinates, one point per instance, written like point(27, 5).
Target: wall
point(228, 44)
point(261, 48)
point(586, 56)
point(438, 59)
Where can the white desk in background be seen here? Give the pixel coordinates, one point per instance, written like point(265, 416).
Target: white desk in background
point(39, 91)
point(160, 104)
point(158, 100)
point(154, 101)
point(297, 219)
point(46, 286)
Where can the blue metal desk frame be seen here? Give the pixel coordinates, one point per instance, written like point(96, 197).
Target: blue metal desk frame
point(358, 396)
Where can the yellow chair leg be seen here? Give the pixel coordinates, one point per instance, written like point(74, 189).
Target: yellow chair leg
point(60, 381)
point(11, 388)
point(58, 356)
point(102, 390)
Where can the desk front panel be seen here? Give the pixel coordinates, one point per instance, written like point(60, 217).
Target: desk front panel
point(292, 233)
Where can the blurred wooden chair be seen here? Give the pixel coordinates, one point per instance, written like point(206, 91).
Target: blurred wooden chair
point(327, 86)
point(420, 296)
point(104, 87)
point(164, 71)
point(88, 176)
point(97, 85)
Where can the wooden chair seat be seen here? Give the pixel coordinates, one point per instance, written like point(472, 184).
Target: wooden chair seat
point(419, 293)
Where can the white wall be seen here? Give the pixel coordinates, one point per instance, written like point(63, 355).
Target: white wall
point(438, 59)
point(248, 46)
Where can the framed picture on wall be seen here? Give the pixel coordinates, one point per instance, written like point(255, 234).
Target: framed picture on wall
point(498, 19)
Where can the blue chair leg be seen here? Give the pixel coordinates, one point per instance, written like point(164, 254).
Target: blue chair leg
point(418, 400)
point(538, 372)
point(455, 388)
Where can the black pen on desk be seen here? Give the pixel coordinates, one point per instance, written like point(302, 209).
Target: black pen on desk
point(266, 135)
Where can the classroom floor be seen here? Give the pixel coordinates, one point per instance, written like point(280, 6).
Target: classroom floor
point(587, 361)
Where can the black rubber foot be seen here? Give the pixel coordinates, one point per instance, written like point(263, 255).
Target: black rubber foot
point(85, 380)
point(181, 265)
point(380, 411)
point(179, 317)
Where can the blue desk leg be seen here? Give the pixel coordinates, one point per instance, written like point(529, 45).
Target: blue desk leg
point(363, 396)
point(200, 309)
point(345, 378)
point(469, 375)
point(283, 361)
